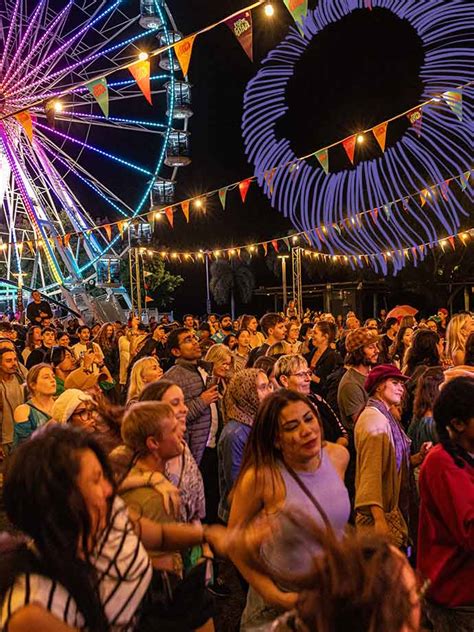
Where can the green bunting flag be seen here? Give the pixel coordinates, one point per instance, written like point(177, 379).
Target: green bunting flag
point(298, 9)
point(323, 158)
point(222, 196)
point(464, 179)
point(454, 99)
point(100, 92)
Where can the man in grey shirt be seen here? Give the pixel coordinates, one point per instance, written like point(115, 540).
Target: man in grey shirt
point(12, 394)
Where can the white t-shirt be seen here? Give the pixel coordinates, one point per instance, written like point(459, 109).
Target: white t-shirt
point(80, 349)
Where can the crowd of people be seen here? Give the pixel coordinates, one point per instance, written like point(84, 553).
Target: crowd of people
point(331, 462)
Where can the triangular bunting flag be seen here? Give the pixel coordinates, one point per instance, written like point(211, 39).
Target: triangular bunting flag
point(444, 189)
point(169, 215)
point(265, 247)
point(386, 208)
point(148, 299)
point(405, 203)
point(121, 227)
point(421, 248)
point(141, 73)
point(323, 158)
point(319, 234)
point(423, 197)
point(275, 244)
point(244, 187)
point(67, 239)
point(59, 241)
point(237, 250)
point(185, 209)
point(308, 239)
point(287, 242)
point(183, 50)
point(241, 27)
point(454, 99)
point(50, 112)
point(451, 241)
point(268, 175)
point(464, 180)
point(349, 145)
point(108, 230)
point(374, 212)
point(25, 120)
point(368, 4)
point(222, 196)
point(415, 117)
point(337, 228)
point(298, 9)
point(380, 133)
point(100, 92)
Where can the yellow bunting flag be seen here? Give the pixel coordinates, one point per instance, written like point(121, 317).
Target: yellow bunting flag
point(141, 73)
point(169, 215)
point(349, 145)
point(380, 133)
point(183, 50)
point(423, 197)
point(244, 187)
point(265, 247)
point(185, 209)
point(25, 120)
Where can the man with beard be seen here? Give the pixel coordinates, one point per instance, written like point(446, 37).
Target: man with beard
point(225, 328)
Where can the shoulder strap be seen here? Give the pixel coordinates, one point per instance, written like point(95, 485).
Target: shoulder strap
point(307, 492)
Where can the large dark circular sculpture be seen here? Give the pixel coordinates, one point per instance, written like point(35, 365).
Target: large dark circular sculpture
point(311, 198)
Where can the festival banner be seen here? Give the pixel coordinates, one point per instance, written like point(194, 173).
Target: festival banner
point(185, 209)
point(380, 133)
point(415, 118)
point(244, 187)
point(454, 99)
point(349, 145)
point(100, 92)
point(323, 158)
point(183, 50)
point(298, 9)
point(25, 120)
point(222, 196)
point(141, 73)
point(241, 27)
point(169, 215)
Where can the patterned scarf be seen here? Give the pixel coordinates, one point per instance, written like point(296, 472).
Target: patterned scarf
point(241, 398)
point(400, 440)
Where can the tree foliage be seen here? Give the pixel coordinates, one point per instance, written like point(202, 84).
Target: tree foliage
point(230, 279)
point(161, 283)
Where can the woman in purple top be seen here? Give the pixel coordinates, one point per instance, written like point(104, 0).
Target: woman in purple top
point(287, 468)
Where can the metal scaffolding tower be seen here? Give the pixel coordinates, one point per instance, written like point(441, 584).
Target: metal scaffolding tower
point(296, 275)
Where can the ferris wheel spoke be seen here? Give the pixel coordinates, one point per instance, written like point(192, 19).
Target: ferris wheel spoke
point(10, 34)
point(131, 125)
point(49, 37)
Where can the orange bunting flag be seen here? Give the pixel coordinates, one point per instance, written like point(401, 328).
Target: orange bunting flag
point(275, 244)
point(141, 73)
point(67, 239)
point(265, 247)
point(148, 299)
point(244, 187)
point(423, 197)
point(121, 227)
point(415, 117)
point(349, 145)
point(308, 239)
point(380, 133)
point(108, 230)
point(25, 120)
point(185, 209)
point(169, 215)
point(375, 213)
point(59, 241)
point(323, 158)
point(183, 50)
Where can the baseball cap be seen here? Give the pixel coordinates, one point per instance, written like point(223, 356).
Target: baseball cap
point(383, 372)
point(360, 337)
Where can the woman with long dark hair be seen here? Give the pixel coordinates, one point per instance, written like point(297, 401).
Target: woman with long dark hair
point(83, 565)
point(106, 339)
point(446, 522)
point(323, 360)
point(422, 427)
point(399, 349)
point(286, 467)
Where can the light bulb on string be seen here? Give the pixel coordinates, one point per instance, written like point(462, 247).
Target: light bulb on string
point(58, 106)
point(360, 139)
point(143, 56)
point(269, 9)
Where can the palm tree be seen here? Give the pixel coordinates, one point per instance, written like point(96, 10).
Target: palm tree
point(229, 278)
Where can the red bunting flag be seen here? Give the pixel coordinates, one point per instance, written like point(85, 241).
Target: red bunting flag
point(451, 241)
point(275, 244)
point(241, 27)
point(380, 133)
point(244, 187)
point(415, 118)
point(265, 247)
point(169, 215)
point(141, 73)
point(25, 120)
point(222, 196)
point(183, 50)
point(185, 209)
point(349, 145)
point(444, 189)
point(323, 158)
point(108, 230)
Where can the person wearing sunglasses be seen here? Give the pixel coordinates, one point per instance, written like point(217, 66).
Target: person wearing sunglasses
point(76, 408)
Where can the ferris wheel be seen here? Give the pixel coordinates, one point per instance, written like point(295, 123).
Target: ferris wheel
point(76, 164)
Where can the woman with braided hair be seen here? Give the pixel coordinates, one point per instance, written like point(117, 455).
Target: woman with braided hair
point(446, 525)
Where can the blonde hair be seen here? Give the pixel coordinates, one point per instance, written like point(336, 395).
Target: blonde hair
point(218, 353)
point(455, 339)
point(288, 364)
point(143, 420)
point(136, 376)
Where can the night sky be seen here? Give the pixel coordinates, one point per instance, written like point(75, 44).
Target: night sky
point(355, 74)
